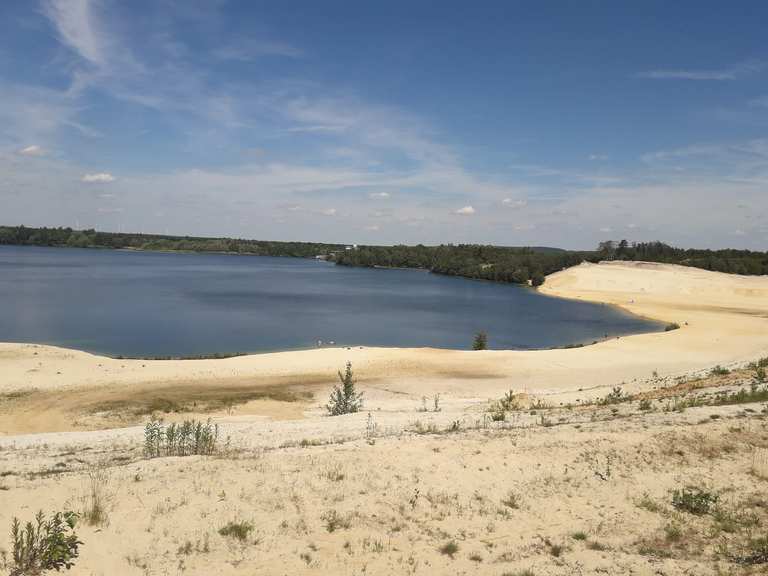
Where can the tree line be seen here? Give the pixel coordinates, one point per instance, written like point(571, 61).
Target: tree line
point(745, 262)
point(495, 263)
point(518, 265)
point(22, 235)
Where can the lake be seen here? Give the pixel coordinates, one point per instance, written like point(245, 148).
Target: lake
point(157, 304)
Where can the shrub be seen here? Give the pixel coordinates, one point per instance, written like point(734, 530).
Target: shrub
point(45, 545)
point(671, 326)
point(237, 530)
point(480, 342)
point(191, 437)
point(449, 548)
point(694, 500)
point(719, 371)
point(614, 397)
point(334, 521)
point(345, 399)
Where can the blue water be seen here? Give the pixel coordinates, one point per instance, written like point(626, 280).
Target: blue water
point(157, 304)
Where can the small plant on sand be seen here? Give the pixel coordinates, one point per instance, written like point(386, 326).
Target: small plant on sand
point(480, 342)
point(191, 437)
point(46, 544)
point(95, 500)
point(671, 326)
point(449, 548)
point(694, 500)
point(334, 521)
point(237, 530)
point(719, 371)
point(511, 500)
point(615, 396)
point(344, 398)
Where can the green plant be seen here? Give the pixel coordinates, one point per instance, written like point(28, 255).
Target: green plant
point(345, 399)
point(47, 544)
point(719, 371)
point(645, 405)
point(449, 548)
point(614, 397)
point(579, 535)
point(480, 342)
point(694, 500)
point(237, 530)
point(191, 437)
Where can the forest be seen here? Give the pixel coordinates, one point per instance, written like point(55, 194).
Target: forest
point(519, 265)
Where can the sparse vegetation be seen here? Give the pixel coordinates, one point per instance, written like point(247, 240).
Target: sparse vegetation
point(344, 398)
point(45, 545)
point(694, 500)
point(238, 530)
point(191, 437)
point(450, 548)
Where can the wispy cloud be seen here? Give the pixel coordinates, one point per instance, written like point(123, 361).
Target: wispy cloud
point(250, 49)
point(102, 177)
point(730, 73)
point(74, 23)
point(465, 211)
point(33, 150)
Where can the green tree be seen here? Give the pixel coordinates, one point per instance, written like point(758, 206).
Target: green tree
point(480, 342)
point(344, 398)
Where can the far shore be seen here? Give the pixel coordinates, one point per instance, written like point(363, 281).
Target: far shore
point(723, 320)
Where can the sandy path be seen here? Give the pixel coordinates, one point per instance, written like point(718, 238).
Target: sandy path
point(723, 319)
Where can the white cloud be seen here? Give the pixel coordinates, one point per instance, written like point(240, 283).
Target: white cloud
point(379, 195)
point(33, 150)
point(98, 177)
point(514, 203)
point(465, 211)
point(74, 22)
point(731, 73)
point(328, 211)
point(598, 157)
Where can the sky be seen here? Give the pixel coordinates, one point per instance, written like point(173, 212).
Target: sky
point(510, 122)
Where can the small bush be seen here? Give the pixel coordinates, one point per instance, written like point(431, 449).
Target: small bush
point(694, 500)
point(449, 548)
point(335, 521)
point(579, 535)
point(192, 437)
point(719, 371)
point(44, 545)
point(237, 530)
point(345, 399)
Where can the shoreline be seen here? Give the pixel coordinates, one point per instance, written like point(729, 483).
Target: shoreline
point(723, 321)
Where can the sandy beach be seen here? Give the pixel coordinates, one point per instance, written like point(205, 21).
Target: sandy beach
point(378, 492)
point(723, 320)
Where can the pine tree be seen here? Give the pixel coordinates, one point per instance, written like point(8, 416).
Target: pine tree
point(344, 398)
point(481, 341)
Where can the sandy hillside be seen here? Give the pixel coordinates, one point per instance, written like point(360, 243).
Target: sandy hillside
point(576, 475)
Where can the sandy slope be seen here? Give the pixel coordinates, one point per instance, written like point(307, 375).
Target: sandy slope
point(336, 496)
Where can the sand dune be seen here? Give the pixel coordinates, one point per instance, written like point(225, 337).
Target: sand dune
point(402, 488)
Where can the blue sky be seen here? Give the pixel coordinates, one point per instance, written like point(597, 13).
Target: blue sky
point(516, 123)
